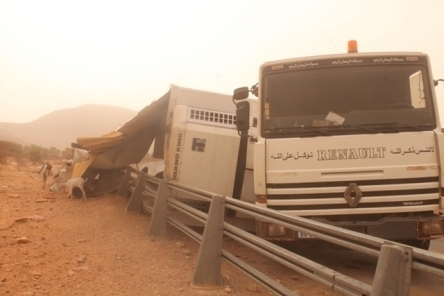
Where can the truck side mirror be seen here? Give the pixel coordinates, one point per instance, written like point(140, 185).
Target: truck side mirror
point(243, 115)
point(240, 93)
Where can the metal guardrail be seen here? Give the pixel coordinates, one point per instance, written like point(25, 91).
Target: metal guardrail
point(153, 193)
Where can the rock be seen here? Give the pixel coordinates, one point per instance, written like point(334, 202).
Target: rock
point(180, 244)
point(186, 251)
point(81, 259)
point(70, 273)
point(81, 240)
point(28, 294)
point(41, 200)
point(37, 218)
point(253, 288)
point(228, 290)
point(36, 274)
point(2, 280)
point(13, 195)
point(23, 240)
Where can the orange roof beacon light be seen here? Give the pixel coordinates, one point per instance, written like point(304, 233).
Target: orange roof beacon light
point(352, 46)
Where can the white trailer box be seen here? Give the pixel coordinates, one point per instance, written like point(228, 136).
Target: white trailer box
point(202, 144)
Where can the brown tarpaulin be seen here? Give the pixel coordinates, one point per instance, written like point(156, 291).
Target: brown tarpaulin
point(129, 143)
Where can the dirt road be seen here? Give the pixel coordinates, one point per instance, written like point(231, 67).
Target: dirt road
point(70, 247)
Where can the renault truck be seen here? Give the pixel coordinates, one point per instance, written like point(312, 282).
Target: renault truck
point(352, 140)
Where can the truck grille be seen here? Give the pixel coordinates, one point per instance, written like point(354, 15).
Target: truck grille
point(422, 193)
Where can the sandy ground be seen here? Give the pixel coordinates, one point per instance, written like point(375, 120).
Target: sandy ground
point(71, 247)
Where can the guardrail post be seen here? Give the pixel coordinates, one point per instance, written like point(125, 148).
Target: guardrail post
point(123, 189)
point(158, 218)
point(135, 202)
point(393, 272)
point(208, 267)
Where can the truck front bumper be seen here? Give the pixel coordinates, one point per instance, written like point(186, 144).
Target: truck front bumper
point(390, 228)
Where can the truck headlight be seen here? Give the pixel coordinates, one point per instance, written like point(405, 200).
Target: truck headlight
point(430, 229)
point(276, 230)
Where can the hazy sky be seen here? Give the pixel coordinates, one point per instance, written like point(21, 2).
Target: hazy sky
point(63, 54)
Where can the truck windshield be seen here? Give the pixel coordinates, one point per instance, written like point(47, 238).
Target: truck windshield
point(347, 99)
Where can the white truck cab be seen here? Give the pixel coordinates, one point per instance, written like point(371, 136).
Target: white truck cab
point(353, 140)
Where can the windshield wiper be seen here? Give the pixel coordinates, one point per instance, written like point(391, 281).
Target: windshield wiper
point(319, 130)
point(356, 127)
point(420, 127)
point(391, 127)
point(303, 130)
point(329, 130)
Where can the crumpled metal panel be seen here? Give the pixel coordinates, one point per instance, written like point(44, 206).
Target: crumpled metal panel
point(129, 143)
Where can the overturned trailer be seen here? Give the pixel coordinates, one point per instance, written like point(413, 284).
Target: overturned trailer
point(192, 131)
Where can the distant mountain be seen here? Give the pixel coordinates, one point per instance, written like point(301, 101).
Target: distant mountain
point(62, 127)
